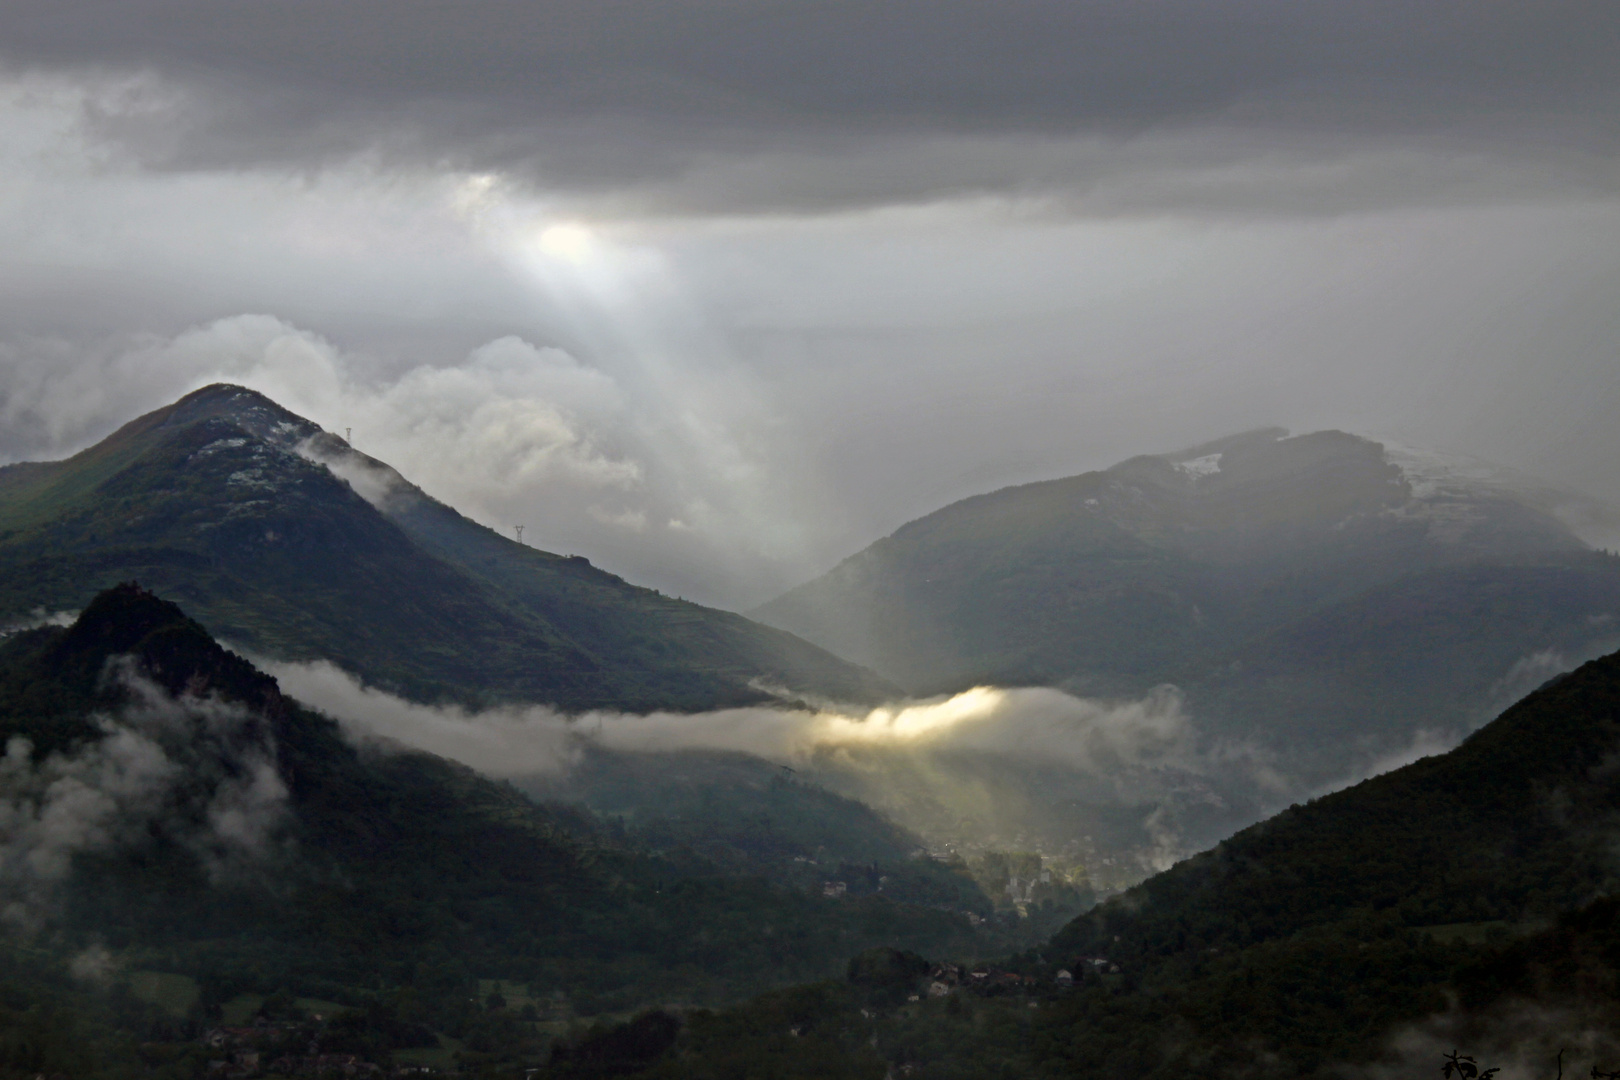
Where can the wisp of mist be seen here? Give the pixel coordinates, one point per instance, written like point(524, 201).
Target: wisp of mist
point(198, 770)
point(987, 766)
point(1035, 724)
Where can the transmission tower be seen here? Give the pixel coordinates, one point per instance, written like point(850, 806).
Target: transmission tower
point(346, 433)
point(519, 529)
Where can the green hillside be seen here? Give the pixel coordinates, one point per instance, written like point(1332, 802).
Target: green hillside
point(235, 507)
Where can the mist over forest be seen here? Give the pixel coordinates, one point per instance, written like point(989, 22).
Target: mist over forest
point(770, 540)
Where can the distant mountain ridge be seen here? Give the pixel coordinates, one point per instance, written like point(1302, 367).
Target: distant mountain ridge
point(1307, 588)
point(284, 540)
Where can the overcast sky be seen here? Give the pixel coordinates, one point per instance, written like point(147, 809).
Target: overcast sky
point(718, 292)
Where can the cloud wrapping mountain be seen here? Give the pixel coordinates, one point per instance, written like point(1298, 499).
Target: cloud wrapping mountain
point(511, 419)
point(516, 433)
point(190, 770)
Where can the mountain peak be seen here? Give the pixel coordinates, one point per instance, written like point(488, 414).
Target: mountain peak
point(171, 647)
point(248, 409)
point(226, 393)
point(120, 617)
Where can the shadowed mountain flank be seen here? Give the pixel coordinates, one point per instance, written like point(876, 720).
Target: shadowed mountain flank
point(1303, 588)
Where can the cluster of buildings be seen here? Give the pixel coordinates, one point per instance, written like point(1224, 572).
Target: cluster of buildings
point(1100, 965)
point(279, 1049)
point(837, 890)
point(946, 979)
point(246, 1063)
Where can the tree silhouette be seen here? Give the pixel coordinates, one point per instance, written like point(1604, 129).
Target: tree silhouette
point(1463, 1067)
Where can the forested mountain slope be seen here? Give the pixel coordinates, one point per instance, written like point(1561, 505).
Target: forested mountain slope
point(1515, 825)
point(282, 539)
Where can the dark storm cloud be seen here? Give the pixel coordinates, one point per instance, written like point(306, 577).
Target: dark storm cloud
point(590, 94)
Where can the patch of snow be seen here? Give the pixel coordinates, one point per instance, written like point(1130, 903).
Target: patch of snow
point(220, 444)
point(251, 506)
point(250, 478)
point(1207, 465)
point(287, 434)
point(1435, 475)
point(1449, 489)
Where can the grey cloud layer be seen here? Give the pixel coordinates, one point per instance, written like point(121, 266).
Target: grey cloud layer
point(724, 105)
